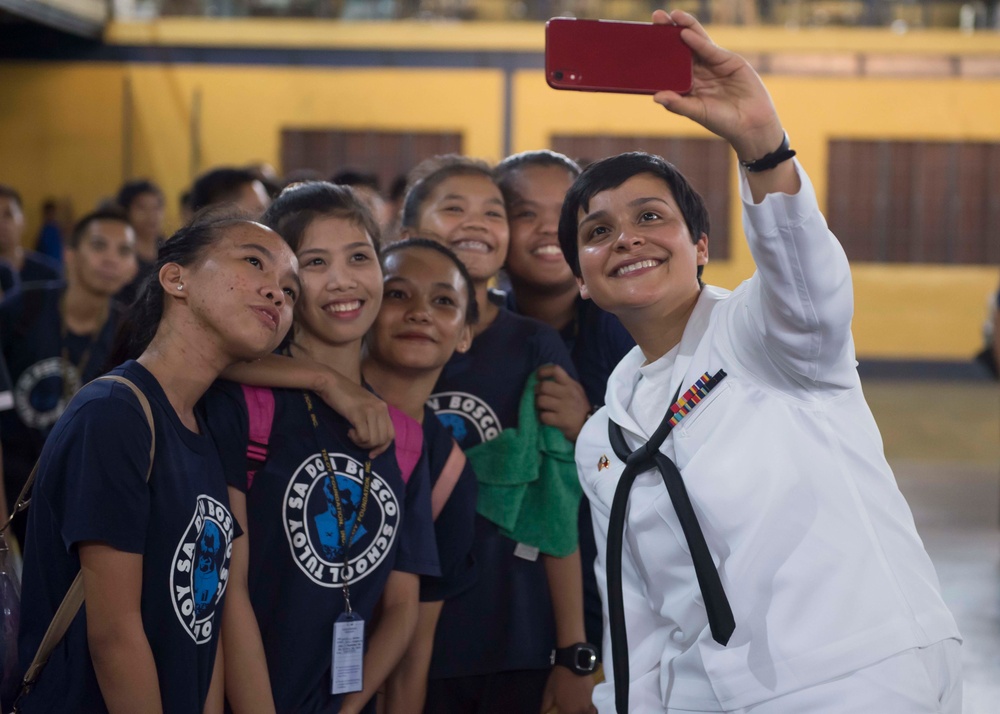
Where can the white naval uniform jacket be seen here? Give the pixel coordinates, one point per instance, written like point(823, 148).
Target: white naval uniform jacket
point(814, 543)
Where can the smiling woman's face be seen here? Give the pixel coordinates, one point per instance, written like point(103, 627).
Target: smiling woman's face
point(466, 213)
point(635, 249)
point(534, 257)
point(422, 320)
point(341, 280)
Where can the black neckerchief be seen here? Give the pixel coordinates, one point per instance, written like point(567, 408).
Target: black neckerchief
point(645, 458)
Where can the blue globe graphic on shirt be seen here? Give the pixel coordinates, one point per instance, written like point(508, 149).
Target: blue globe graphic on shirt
point(46, 395)
point(208, 552)
point(327, 527)
point(456, 425)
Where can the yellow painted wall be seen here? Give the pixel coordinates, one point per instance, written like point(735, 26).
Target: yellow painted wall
point(61, 131)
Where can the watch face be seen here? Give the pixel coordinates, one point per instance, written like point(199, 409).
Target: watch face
point(586, 659)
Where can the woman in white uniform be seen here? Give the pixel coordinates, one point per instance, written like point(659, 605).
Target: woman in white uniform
point(769, 563)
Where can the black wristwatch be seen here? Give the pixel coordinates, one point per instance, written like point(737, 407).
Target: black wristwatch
point(580, 659)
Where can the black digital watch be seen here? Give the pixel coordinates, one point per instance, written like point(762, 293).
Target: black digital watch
point(580, 659)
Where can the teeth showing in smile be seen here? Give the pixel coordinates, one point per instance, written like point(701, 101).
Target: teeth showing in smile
point(475, 246)
point(345, 306)
point(547, 250)
point(626, 269)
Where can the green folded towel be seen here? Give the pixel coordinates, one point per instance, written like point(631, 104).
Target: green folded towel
point(527, 482)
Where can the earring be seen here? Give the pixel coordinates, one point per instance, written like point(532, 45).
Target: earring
point(181, 286)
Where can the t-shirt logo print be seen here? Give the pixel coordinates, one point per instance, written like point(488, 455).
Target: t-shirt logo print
point(309, 512)
point(40, 395)
point(470, 420)
point(200, 569)
point(326, 522)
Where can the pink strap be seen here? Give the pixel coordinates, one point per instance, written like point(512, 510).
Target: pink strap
point(409, 441)
point(260, 409)
point(446, 481)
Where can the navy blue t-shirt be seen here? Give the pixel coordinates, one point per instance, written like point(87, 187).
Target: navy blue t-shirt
point(10, 281)
point(296, 568)
point(6, 388)
point(597, 341)
point(455, 525)
point(91, 486)
point(50, 242)
point(33, 350)
point(37, 268)
point(504, 621)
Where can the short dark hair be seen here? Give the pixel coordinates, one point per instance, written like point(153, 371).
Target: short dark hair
point(109, 213)
point(220, 185)
point(472, 308)
point(131, 190)
point(11, 193)
point(302, 203)
point(353, 177)
point(612, 172)
point(431, 173)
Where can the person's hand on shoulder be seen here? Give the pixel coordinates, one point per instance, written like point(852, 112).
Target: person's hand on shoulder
point(371, 425)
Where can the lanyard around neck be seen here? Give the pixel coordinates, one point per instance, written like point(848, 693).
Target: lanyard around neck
point(70, 385)
point(366, 486)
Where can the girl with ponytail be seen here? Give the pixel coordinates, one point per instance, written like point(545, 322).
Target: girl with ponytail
point(154, 554)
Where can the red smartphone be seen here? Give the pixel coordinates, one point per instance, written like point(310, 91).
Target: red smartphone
point(612, 56)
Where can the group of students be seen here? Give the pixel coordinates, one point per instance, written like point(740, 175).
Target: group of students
point(358, 488)
point(461, 612)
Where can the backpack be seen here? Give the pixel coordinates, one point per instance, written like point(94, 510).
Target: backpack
point(260, 410)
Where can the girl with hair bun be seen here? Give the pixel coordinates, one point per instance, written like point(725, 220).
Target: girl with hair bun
point(154, 555)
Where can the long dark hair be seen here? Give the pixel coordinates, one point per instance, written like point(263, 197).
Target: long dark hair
point(185, 247)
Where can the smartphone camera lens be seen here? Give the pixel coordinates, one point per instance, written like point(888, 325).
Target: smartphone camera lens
point(557, 74)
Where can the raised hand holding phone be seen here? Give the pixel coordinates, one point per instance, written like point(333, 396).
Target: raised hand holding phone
point(728, 98)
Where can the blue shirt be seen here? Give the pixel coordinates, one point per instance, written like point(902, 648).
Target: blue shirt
point(504, 621)
point(597, 341)
point(454, 527)
point(37, 268)
point(91, 486)
point(50, 242)
point(296, 571)
point(34, 349)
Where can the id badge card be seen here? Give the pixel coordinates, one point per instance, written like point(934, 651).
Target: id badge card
point(348, 654)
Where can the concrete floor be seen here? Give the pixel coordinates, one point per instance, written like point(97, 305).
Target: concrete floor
point(943, 441)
